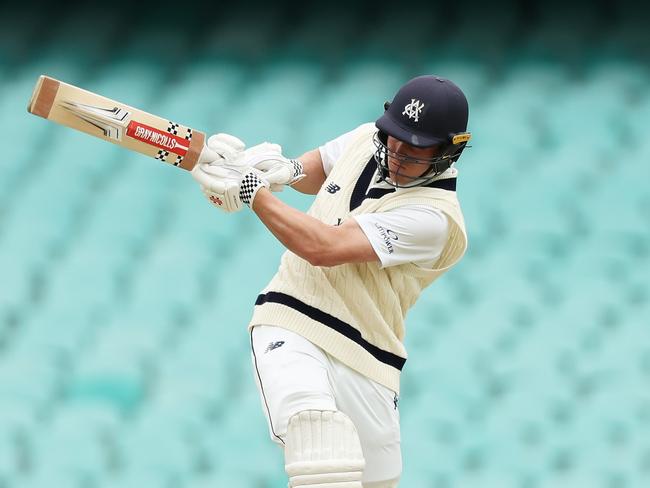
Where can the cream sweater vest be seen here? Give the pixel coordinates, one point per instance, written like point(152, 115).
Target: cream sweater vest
point(356, 312)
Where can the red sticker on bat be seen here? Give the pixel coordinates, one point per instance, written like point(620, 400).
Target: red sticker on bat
point(158, 138)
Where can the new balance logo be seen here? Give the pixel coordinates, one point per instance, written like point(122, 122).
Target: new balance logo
point(273, 345)
point(412, 110)
point(333, 188)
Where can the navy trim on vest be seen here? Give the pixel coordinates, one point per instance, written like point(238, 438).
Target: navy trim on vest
point(448, 184)
point(361, 187)
point(332, 322)
point(361, 192)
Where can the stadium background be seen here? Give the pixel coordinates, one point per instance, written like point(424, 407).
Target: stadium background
point(124, 296)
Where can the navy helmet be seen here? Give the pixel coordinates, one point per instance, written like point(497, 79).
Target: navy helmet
point(426, 112)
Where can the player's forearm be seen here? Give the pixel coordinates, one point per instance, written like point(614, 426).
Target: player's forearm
point(302, 234)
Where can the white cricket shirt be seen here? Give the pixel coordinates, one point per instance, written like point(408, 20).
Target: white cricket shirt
point(410, 234)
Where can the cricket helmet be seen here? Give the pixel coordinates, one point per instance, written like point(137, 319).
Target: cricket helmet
point(428, 111)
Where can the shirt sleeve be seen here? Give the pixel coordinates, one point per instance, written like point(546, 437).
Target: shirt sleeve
point(331, 151)
point(410, 234)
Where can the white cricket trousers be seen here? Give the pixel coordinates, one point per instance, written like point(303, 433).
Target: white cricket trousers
point(293, 375)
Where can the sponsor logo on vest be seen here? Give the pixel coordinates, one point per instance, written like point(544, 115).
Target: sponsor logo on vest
point(273, 345)
point(387, 235)
point(412, 110)
point(332, 188)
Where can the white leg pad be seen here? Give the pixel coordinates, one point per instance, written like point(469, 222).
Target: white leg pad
point(323, 451)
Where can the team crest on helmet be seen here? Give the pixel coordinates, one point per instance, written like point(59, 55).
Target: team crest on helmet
point(412, 110)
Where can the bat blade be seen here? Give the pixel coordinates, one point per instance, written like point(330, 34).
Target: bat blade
point(116, 122)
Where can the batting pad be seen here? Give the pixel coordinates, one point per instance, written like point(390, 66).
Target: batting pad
point(323, 451)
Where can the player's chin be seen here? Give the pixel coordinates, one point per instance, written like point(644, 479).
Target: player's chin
point(397, 179)
point(395, 171)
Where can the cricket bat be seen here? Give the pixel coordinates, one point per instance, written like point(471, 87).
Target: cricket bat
point(116, 122)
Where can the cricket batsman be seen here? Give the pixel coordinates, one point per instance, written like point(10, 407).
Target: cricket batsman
point(327, 332)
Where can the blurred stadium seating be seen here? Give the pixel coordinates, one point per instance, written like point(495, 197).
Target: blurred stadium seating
point(124, 358)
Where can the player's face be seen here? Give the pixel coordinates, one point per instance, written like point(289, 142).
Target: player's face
point(403, 172)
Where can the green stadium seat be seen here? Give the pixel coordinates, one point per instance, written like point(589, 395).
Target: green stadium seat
point(154, 446)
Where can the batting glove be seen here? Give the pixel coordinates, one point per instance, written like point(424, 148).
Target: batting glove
point(277, 169)
point(222, 149)
point(228, 187)
point(218, 186)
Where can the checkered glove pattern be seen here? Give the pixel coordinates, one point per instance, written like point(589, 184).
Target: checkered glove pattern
point(249, 186)
point(297, 171)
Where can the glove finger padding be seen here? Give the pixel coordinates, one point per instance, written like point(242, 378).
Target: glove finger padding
point(209, 177)
point(265, 162)
point(276, 168)
point(223, 148)
point(283, 174)
point(224, 171)
point(264, 155)
point(263, 148)
point(227, 143)
point(252, 155)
